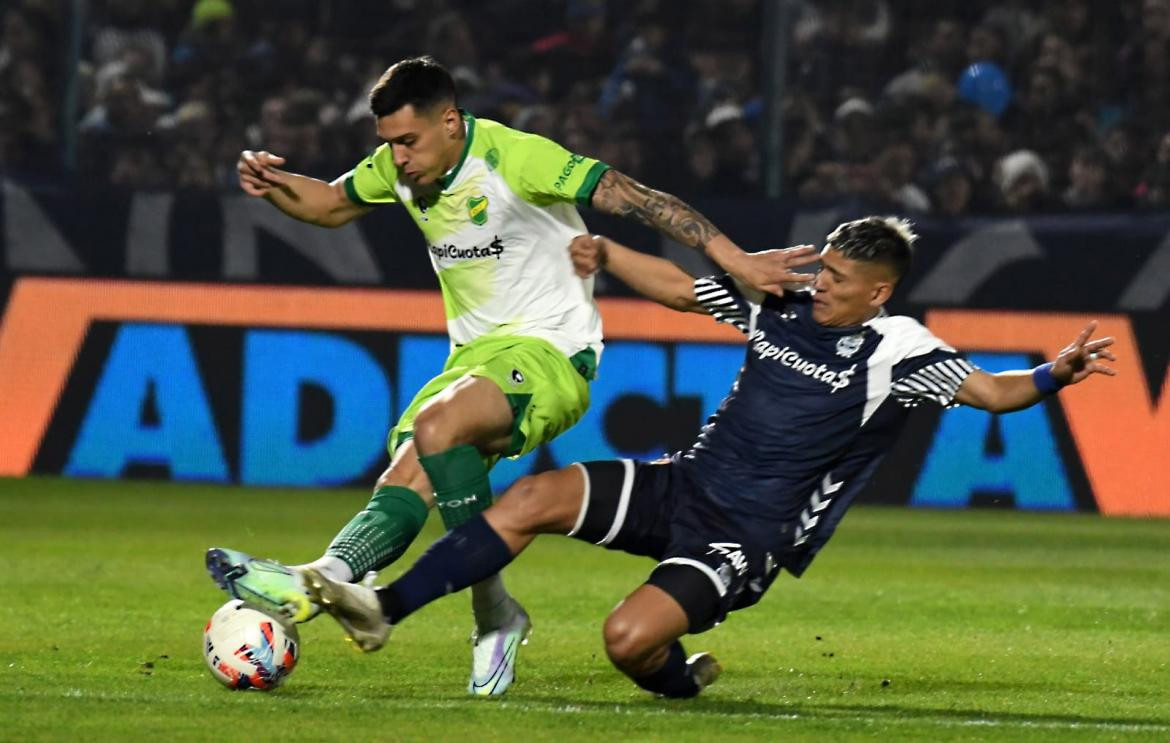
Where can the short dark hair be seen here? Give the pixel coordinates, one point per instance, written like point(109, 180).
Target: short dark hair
point(418, 81)
point(886, 240)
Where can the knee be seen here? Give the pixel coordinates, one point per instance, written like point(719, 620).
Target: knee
point(627, 643)
point(433, 429)
point(533, 504)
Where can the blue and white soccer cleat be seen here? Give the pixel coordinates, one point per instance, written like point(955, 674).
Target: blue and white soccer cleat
point(493, 655)
point(265, 583)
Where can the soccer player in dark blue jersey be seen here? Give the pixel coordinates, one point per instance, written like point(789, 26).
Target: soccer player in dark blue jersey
point(827, 382)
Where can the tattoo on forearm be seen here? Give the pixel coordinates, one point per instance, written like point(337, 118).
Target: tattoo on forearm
point(621, 195)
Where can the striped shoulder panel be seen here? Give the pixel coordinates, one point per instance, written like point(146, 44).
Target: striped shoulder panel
point(938, 382)
point(721, 303)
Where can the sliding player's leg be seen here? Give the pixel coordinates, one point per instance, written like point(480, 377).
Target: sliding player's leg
point(642, 635)
point(545, 503)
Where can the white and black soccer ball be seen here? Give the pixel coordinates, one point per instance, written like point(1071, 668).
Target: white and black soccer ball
point(246, 648)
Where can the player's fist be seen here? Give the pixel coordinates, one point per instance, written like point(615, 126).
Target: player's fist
point(588, 253)
point(258, 171)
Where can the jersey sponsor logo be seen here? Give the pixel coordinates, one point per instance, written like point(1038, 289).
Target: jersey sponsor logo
point(517, 377)
point(477, 210)
point(848, 345)
point(456, 253)
point(492, 158)
point(570, 166)
point(766, 350)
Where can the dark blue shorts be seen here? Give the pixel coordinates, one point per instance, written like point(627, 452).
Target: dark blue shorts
point(707, 561)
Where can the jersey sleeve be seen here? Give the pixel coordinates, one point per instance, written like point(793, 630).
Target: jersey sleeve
point(728, 301)
point(548, 173)
point(934, 376)
point(371, 182)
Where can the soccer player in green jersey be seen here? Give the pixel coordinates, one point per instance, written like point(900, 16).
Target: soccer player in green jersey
point(498, 210)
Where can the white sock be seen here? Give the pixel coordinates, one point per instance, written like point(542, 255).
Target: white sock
point(491, 604)
point(331, 567)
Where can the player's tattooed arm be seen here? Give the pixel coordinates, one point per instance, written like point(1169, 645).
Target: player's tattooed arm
point(766, 271)
point(619, 194)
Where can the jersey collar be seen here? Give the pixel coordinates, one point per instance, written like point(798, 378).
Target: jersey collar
point(469, 125)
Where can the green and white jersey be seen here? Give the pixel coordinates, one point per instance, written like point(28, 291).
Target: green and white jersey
point(498, 228)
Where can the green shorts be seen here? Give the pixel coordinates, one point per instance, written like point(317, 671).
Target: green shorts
point(548, 391)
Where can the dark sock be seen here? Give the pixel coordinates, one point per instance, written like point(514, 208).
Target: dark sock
point(465, 555)
point(673, 679)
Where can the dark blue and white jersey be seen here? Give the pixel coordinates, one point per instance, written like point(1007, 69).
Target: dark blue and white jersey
point(811, 414)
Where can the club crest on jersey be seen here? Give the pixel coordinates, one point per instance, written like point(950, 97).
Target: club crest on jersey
point(848, 345)
point(477, 210)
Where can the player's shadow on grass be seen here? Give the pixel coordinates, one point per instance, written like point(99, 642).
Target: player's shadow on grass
point(766, 710)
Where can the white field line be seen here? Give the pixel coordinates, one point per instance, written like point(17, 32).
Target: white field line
point(617, 710)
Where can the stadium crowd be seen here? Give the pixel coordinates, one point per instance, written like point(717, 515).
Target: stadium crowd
point(938, 106)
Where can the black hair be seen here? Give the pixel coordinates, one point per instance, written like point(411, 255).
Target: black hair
point(886, 240)
point(418, 81)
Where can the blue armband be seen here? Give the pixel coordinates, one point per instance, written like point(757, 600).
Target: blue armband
point(1044, 381)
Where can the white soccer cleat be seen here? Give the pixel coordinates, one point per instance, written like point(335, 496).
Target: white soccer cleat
point(704, 669)
point(493, 655)
point(355, 607)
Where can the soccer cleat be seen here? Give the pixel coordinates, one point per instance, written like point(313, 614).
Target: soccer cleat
point(493, 655)
point(704, 669)
point(355, 607)
point(265, 583)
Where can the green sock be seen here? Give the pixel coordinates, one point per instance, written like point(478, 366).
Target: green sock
point(461, 484)
point(380, 534)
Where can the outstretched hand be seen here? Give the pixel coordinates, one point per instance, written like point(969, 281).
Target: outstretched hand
point(1083, 357)
point(769, 270)
point(258, 173)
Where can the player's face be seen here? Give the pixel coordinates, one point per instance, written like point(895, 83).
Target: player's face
point(425, 144)
point(848, 292)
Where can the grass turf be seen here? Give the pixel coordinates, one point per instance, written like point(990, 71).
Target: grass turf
point(911, 625)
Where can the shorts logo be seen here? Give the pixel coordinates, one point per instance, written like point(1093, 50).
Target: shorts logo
point(477, 210)
point(517, 377)
point(735, 558)
point(848, 345)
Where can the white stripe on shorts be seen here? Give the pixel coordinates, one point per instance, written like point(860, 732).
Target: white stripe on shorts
point(584, 501)
point(705, 568)
point(619, 518)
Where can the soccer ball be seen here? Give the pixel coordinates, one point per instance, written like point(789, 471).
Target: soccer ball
point(246, 648)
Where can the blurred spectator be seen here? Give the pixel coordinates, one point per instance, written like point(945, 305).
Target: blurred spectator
point(1022, 181)
point(579, 52)
point(653, 80)
point(737, 171)
point(951, 188)
point(1153, 191)
point(29, 129)
point(671, 92)
point(1088, 180)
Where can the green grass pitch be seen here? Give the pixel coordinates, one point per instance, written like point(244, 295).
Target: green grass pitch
point(911, 625)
